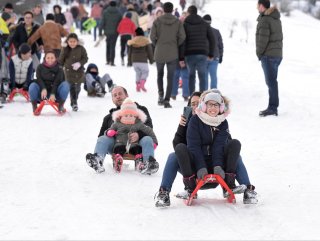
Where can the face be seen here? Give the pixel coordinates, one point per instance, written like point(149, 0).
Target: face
point(118, 96)
point(28, 19)
point(212, 108)
point(37, 10)
point(26, 56)
point(50, 58)
point(260, 8)
point(128, 119)
point(194, 103)
point(72, 42)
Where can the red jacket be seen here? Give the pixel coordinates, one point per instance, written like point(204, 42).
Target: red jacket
point(126, 27)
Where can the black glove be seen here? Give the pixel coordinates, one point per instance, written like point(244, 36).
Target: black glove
point(220, 59)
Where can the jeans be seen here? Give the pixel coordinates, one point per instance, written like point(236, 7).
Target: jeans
point(212, 66)
point(270, 68)
point(197, 63)
point(95, 29)
point(105, 145)
point(123, 42)
point(61, 94)
point(111, 47)
point(171, 66)
point(184, 74)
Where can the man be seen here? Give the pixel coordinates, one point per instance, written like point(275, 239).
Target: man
point(167, 34)
point(269, 51)
point(199, 47)
point(105, 144)
point(37, 14)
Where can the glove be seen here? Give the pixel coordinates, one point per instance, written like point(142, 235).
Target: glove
point(219, 171)
point(201, 173)
point(76, 66)
point(220, 59)
point(155, 146)
point(111, 133)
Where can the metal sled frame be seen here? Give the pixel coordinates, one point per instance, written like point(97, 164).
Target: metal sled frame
point(53, 104)
point(16, 91)
point(211, 178)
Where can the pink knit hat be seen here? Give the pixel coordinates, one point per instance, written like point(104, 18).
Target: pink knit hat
point(129, 107)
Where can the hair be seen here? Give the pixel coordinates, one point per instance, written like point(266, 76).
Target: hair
point(49, 51)
point(113, 4)
point(72, 35)
point(28, 12)
point(50, 16)
point(124, 89)
point(192, 9)
point(168, 7)
point(196, 93)
point(265, 3)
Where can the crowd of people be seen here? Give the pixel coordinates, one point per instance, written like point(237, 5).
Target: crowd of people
point(149, 32)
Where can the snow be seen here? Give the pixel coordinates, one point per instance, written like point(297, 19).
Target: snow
point(48, 191)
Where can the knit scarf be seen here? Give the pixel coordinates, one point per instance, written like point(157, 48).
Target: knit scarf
point(210, 120)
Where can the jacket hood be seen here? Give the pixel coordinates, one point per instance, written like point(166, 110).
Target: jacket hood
point(193, 19)
point(168, 19)
point(272, 12)
point(92, 66)
point(139, 41)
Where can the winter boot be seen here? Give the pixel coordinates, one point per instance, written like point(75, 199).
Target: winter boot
point(34, 107)
point(138, 86)
point(117, 162)
point(61, 107)
point(95, 161)
point(149, 167)
point(237, 190)
point(189, 186)
point(162, 198)
point(160, 100)
point(99, 90)
point(111, 85)
point(138, 161)
point(250, 196)
point(142, 83)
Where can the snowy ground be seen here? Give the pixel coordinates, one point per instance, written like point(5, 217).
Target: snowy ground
point(47, 191)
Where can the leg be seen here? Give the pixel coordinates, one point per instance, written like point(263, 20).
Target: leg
point(192, 73)
point(212, 71)
point(184, 73)
point(171, 66)
point(104, 146)
point(160, 69)
point(144, 75)
point(242, 176)
point(175, 82)
point(201, 67)
point(150, 164)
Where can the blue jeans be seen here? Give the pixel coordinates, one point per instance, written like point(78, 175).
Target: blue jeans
point(184, 74)
point(61, 94)
point(95, 29)
point(172, 168)
point(270, 68)
point(105, 145)
point(171, 66)
point(197, 63)
point(212, 66)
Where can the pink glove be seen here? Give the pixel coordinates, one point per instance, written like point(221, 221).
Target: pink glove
point(76, 66)
point(111, 133)
point(155, 146)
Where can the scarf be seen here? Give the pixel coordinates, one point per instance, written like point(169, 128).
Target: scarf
point(210, 120)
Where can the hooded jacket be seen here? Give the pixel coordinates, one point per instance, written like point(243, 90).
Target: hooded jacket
point(139, 50)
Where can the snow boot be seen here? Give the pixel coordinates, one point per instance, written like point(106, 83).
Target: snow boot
point(237, 190)
point(138, 160)
point(250, 196)
point(138, 86)
point(95, 161)
point(149, 167)
point(189, 186)
point(117, 163)
point(142, 83)
point(61, 108)
point(34, 107)
point(162, 198)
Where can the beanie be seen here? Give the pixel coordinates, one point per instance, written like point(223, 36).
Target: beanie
point(168, 7)
point(139, 32)
point(207, 18)
point(214, 97)
point(5, 16)
point(24, 48)
point(128, 107)
point(128, 15)
point(265, 3)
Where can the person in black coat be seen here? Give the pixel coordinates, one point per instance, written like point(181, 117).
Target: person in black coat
point(58, 15)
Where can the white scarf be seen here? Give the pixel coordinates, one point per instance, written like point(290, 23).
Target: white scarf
point(210, 120)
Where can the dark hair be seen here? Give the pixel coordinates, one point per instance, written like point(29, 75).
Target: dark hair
point(168, 7)
point(72, 35)
point(196, 93)
point(48, 51)
point(192, 9)
point(265, 3)
point(113, 4)
point(139, 31)
point(28, 12)
point(8, 5)
point(50, 16)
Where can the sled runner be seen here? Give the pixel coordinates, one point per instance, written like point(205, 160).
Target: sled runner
point(53, 104)
point(16, 91)
point(210, 179)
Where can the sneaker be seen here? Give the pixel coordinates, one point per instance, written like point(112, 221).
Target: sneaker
point(74, 107)
point(237, 190)
point(3, 98)
point(95, 161)
point(267, 112)
point(250, 196)
point(162, 198)
point(149, 167)
point(185, 195)
point(166, 104)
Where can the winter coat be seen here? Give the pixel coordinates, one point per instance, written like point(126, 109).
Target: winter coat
point(60, 18)
point(199, 37)
point(70, 56)
point(96, 11)
point(167, 34)
point(110, 19)
point(126, 27)
point(269, 34)
point(20, 71)
point(21, 36)
point(206, 143)
point(107, 120)
point(134, 17)
point(49, 78)
point(50, 33)
point(38, 19)
point(218, 47)
point(139, 50)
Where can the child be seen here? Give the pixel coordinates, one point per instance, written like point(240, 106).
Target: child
point(73, 57)
point(50, 83)
point(94, 84)
point(139, 51)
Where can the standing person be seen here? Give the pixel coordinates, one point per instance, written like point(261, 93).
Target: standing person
point(139, 52)
point(199, 46)
point(167, 34)
point(58, 15)
point(269, 51)
point(50, 83)
point(96, 12)
point(73, 57)
point(109, 23)
point(37, 15)
point(212, 65)
point(104, 144)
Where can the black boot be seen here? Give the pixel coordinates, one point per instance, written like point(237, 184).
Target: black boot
point(34, 106)
point(230, 180)
point(61, 107)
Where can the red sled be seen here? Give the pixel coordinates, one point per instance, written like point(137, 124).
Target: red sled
point(53, 104)
point(16, 91)
point(211, 178)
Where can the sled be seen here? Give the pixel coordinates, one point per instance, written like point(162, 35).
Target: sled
point(210, 179)
point(89, 24)
point(16, 92)
point(53, 104)
point(118, 165)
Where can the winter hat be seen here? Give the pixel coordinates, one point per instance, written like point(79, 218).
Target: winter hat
point(213, 96)
point(128, 107)
point(24, 48)
point(128, 15)
point(168, 7)
point(8, 6)
point(265, 3)
point(92, 66)
point(5, 16)
point(207, 18)
point(139, 32)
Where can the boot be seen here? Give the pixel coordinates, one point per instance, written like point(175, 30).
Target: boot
point(142, 83)
point(189, 185)
point(230, 180)
point(34, 106)
point(61, 107)
point(162, 198)
point(138, 86)
point(95, 161)
point(250, 196)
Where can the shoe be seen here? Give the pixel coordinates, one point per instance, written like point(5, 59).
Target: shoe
point(160, 100)
point(74, 107)
point(250, 196)
point(142, 83)
point(149, 167)
point(173, 97)
point(122, 62)
point(166, 104)
point(61, 108)
point(267, 112)
point(237, 190)
point(185, 195)
point(99, 90)
point(117, 163)
point(138, 160)
point(108, 62)
point(112, 64)
point(111, 87)
point(95, 161)
point(162, 198)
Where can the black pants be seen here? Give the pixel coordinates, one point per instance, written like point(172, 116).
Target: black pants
point(111, 47)
point(171, 67)
point(75, 89)
point(120, 148)
point(123, 40)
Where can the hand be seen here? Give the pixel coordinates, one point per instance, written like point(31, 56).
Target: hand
point(76, 66)
point(183, 121)
point(202, 172)
point(111, 133)
point(44, 94)
point(134, 137)
point(52, 98)
point(220, 59)
point(219, 171)
point(25, 87)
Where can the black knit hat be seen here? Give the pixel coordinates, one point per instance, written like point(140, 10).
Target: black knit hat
point(265, 3)
point(207, 18)
point(139, 32)
point(168, 7)
point(24, 48)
